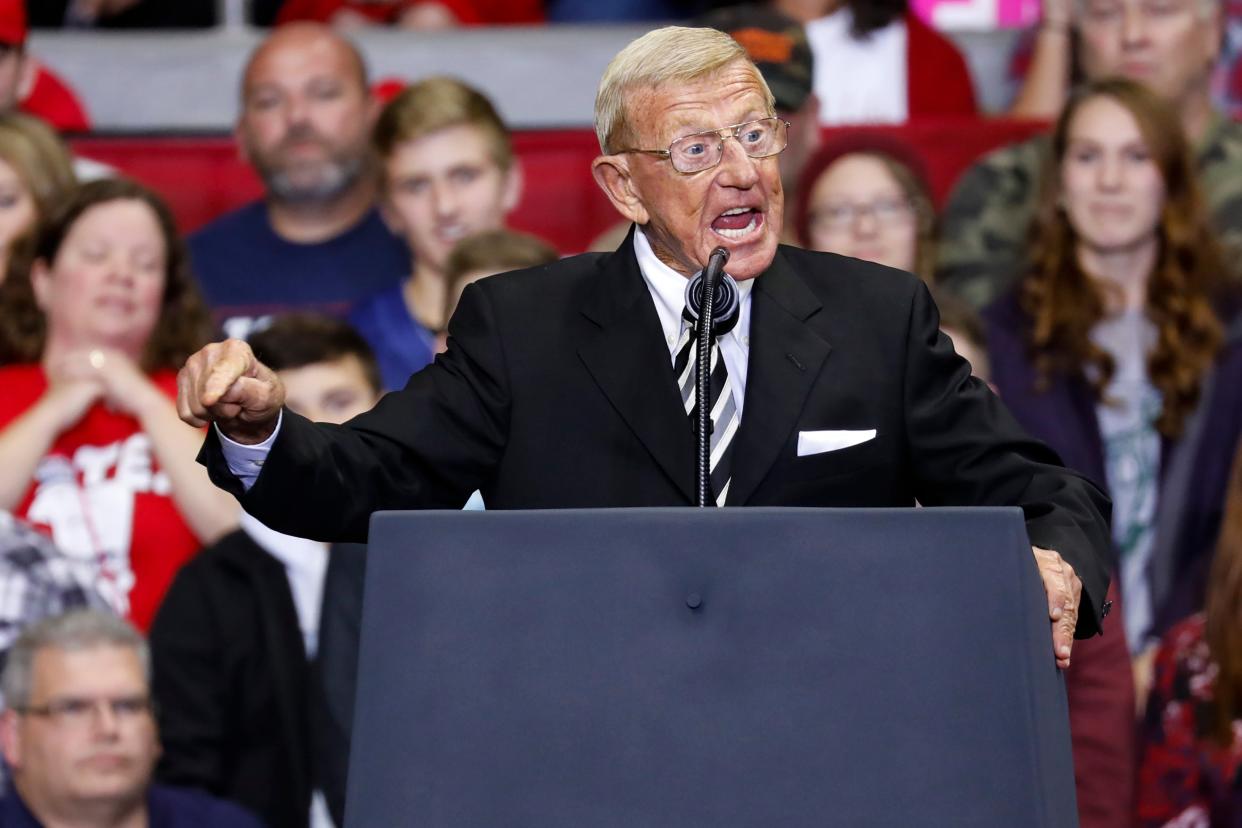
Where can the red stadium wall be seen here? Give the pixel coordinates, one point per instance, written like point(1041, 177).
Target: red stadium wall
point(203, 177)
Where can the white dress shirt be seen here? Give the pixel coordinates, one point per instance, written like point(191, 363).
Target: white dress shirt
point(668, 292)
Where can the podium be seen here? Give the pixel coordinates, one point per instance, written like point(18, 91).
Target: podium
point(723, 667)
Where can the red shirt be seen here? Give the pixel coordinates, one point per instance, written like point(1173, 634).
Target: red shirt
point(53, 101)
point(101, 496)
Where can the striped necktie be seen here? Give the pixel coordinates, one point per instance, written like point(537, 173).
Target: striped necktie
point(724, 413)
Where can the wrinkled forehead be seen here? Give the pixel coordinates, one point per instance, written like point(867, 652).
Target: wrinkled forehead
point(664, 111)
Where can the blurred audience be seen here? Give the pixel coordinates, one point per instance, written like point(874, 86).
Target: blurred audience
point(866, 195)
point(1105, 347)
point(412, 14)
point(315, 241)
point(122, 14)
point(79, 733)
point(486, 254)
point(448, 171)
point(235, 640)
point(36, 174)
point(1171, 47)
point(91, 446)
point(777, 44)
point(877, 62)
point(1191, 770)
point(26, 84)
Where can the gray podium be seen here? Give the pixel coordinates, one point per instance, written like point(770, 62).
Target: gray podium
point(732, 667)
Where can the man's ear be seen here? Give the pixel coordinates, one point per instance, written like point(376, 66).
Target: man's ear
point(514, 181)
point(10, 739)
point(613, 175)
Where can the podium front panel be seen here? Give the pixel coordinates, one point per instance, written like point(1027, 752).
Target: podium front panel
point(722, 667)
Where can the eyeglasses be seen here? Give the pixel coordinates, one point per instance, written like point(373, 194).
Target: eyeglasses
point(841, 216)
point(79, 713)
point(703, 150)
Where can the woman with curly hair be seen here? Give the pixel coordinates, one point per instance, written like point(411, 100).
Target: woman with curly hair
point(1105, 347)
point(92, 329)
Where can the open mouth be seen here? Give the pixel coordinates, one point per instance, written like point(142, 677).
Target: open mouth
point(738, 223)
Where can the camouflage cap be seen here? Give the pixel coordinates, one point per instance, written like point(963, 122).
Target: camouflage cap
point(775, 43)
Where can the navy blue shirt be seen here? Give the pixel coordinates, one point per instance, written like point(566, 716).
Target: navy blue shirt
point(166, 808)
point(402, 346)
point(247, 272)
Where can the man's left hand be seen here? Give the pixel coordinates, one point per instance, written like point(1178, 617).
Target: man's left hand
point(1064, 590)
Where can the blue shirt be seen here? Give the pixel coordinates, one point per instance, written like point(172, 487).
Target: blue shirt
point(402, 346)
point(166, 808)
point(247, 272)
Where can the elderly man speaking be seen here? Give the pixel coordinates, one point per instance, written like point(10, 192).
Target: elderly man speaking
point(565, 385)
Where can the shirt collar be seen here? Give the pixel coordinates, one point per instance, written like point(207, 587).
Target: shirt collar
point(668, 289)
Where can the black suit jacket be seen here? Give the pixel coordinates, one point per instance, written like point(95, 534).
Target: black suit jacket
point(232, 683)
point(557, 391)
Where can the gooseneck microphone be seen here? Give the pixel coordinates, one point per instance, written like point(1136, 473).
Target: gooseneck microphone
point(707, 294)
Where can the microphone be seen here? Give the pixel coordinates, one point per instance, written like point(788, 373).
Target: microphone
point(703, 369)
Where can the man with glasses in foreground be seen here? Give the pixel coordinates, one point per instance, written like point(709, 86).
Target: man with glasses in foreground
point(568, 385)
point(79, 733)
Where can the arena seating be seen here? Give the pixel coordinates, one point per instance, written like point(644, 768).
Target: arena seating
point(204, 176)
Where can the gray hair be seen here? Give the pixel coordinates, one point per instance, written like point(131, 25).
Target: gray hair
point(74, 631)
point(672, 54)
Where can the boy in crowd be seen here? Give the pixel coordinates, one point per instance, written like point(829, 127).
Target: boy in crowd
point(486, 254)
point(237, 636)
point(448, 172)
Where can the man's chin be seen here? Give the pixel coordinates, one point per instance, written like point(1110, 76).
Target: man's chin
point(749, 260)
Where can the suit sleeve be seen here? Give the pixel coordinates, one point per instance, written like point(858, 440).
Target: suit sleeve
point(967, 450)
point(186, 683)
point(424, 447)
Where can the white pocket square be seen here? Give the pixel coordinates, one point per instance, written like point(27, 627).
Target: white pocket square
point(818, 442)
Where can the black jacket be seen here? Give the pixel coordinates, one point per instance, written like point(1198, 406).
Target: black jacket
point(232, 683)
point(557, 391)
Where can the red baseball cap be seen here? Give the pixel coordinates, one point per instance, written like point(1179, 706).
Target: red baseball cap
point(13, 22)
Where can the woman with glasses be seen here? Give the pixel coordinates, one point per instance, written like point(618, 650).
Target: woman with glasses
point(865, 195)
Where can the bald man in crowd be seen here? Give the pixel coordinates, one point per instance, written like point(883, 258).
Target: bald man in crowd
point(315, 241)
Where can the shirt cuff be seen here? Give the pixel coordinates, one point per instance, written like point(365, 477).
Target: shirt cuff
point(246, 461)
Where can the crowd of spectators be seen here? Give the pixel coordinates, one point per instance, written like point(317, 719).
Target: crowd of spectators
point(1088, 274)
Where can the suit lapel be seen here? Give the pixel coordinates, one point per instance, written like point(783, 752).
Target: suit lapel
point(627, 356)
point(785, 360)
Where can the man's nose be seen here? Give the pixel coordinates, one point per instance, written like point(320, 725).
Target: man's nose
point(737, 169)
point(297, 110)
point(444, 199)
point(106, 722)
